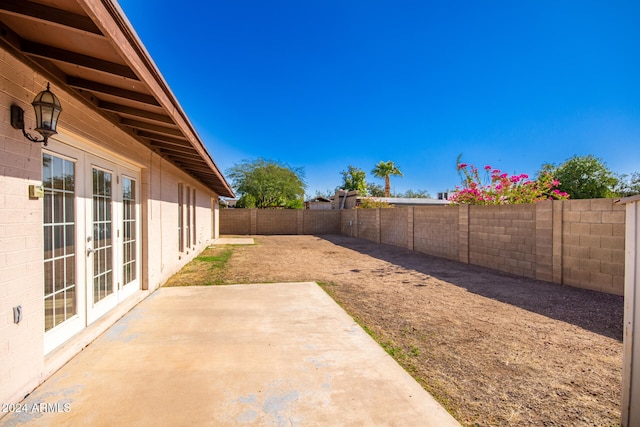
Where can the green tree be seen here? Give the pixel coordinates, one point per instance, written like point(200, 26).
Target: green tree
point(375, 190)
point(628, 185)
point(385, 170)
point(267, 184)
point(418, 194)
point(327, 194)
point(583, 177)
point(354, 179)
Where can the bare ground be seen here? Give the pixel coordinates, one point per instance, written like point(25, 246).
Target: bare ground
point(493, 349)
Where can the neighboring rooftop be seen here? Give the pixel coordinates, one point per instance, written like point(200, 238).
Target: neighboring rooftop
point(410, 201)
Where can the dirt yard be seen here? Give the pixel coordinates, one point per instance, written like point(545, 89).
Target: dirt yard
point(492, 348)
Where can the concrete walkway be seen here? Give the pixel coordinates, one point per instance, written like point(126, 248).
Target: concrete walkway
point(234, 241)
point(259, 355)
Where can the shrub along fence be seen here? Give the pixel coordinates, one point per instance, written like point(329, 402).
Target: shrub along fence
point(573, 242)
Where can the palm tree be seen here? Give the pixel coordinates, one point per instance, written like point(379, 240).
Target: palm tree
point(385, 170)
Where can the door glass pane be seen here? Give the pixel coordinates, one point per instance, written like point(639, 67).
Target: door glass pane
point(58, 180)
point(102, 247)
point(129, 226)
point(58, 174)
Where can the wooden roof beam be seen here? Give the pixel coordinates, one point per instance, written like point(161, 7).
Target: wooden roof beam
point(156, 129)
point(73, 58)
point(179, 142)
point(136, 112)
point(83, 84)
point(178, 152)
point(50, 14)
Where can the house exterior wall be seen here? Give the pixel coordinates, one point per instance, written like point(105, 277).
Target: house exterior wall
point(340, 202)
point(630, 407)
point(21, 241)
point(23, 363)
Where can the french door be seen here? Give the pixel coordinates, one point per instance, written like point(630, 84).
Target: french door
point(91, 239)
point(111, 236)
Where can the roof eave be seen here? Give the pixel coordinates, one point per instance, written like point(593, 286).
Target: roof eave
point(126, 41)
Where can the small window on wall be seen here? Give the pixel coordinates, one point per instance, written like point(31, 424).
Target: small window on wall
point(188, 229)
point(180, 217)
point(193, 214)
point(130, 237)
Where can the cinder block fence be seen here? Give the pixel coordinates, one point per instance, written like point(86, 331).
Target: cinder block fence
point(573, 242)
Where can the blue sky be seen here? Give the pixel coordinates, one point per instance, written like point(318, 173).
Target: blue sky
point(323, 84)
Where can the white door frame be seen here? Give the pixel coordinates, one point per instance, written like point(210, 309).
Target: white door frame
point(72, 149)
point(62, 332)
point(107, 226)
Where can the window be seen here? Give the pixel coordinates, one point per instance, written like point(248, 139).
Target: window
point(180, 217)
point(58, 180)
point(129, 225)
point(193, 214)
point(102, 234)
point(186, 217)
point(188, 229)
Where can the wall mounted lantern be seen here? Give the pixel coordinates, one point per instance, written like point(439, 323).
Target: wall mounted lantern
point(47, 108)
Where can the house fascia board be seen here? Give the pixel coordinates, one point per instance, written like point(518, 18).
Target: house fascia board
point(111, 20)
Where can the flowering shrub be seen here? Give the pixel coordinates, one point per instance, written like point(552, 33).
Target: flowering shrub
point(370, 203)
point(502, 189)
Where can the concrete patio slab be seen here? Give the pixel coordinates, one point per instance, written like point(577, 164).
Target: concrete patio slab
point(268, 354)
point(234, 241)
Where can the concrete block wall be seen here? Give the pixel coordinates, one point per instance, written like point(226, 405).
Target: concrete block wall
point(435, 231)
point(279, 221)
point(320, 221)
point(574, 242)
point(21, 272)
point(593, 237)
point(368, 223)
point(544, 240)
point(276, 221)
point(503, 238)
point(394, 226)
point(349, 222)
point(235, 221)
point(23, 364)
point(21, 241)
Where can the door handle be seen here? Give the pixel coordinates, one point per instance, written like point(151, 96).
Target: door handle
point(89, 251)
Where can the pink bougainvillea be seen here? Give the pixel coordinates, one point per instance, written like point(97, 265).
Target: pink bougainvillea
point(500, 188)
